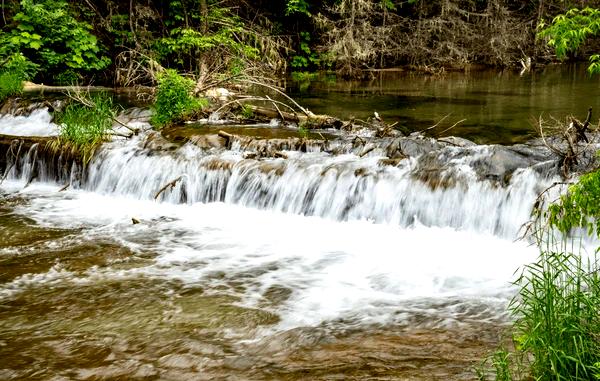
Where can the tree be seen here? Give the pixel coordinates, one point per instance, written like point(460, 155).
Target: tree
point(569, 32)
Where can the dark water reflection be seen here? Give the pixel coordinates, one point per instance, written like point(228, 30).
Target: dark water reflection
point(498, 106)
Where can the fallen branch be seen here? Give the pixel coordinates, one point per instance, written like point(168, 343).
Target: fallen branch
point(15, 157)
point(171, 184)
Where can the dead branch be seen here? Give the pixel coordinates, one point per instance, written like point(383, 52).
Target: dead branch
point(170, 184)
point(273, 88)
point(15, 157)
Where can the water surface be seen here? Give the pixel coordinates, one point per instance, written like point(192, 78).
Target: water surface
point(499, 107)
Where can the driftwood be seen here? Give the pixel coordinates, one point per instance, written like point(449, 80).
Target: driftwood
point(170, 184)
point(580, 129)
point(33, 87)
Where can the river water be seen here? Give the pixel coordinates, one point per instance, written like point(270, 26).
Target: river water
point(306, 268)
point(497, 107)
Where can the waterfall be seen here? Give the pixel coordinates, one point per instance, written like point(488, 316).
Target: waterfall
point(338, 187)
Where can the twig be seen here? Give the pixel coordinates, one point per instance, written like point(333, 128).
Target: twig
point(304, 111)
point(451, 127)
point(437, 124)
point(277, 108)
point(253, 99)
point(169, 184)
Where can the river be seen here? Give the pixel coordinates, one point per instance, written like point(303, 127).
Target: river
point(309, 267)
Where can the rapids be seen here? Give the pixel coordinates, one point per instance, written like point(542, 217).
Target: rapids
point(312, 266)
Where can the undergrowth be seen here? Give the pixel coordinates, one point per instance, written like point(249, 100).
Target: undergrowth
point(174, 100)
point(15, 70)
point(83, 127)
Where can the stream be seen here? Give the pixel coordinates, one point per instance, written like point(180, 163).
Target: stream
point(312, 266)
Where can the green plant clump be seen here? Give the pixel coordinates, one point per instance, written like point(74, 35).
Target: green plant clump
point(174, 100)
point(84, 126)
point(556, 332)
point(15, 70)
point(48, 34)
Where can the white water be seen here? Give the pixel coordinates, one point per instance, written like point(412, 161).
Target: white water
point(340, 188)
point(38, 123)
point(350, 239)
point(357, 271)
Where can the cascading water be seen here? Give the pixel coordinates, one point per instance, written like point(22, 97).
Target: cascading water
point(259, 257)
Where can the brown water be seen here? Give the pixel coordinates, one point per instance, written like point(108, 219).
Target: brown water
point(499, 107)
point(227, 292)
point(73, 307)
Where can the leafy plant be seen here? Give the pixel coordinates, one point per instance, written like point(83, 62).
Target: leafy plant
point(579, 207)
point(174, 99)
point(557, 309)
point(297, 6)
point(47, 33)
point(306, 57)
point(569, 31)
point(10, 84)
point(83, 127)
point(15, 70)
point(558, 317)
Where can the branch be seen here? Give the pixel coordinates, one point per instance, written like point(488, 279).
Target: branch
point(169, 184)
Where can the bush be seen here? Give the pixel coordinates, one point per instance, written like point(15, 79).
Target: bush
point(48, 34)
point(85, 126)
point(174, 100)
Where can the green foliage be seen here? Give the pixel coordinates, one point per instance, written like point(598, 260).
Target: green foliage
point(305, 57)
point(569, 31)
point(186, 44)
point(297, 6)
point(21, 66)
point(47, 33)
point(67, 78)
point(83, 127)
point(247, 112)
point(558, 317)
point(579, 208)
point(557, 309)
point(15, 70)
point(174, 99)
point(594, 67)
point(10, 84)
point(303, 130)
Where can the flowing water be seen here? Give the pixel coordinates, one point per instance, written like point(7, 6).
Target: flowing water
point(310, 267)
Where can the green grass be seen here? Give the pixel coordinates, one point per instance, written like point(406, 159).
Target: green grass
point(556, 329)
point(556, 332)
point(83, 127)
point(558, 317)
point(11, 84)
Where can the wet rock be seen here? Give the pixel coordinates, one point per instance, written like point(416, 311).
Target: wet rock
point(145, 371)
point(456, 141)
point(179, 361)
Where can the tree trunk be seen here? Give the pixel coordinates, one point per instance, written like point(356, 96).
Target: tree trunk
point(202, 64)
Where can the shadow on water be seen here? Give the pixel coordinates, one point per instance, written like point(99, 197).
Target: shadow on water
point(498, 106)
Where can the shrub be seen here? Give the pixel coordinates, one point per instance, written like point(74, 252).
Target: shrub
point(47, 33)
point(174, 100)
